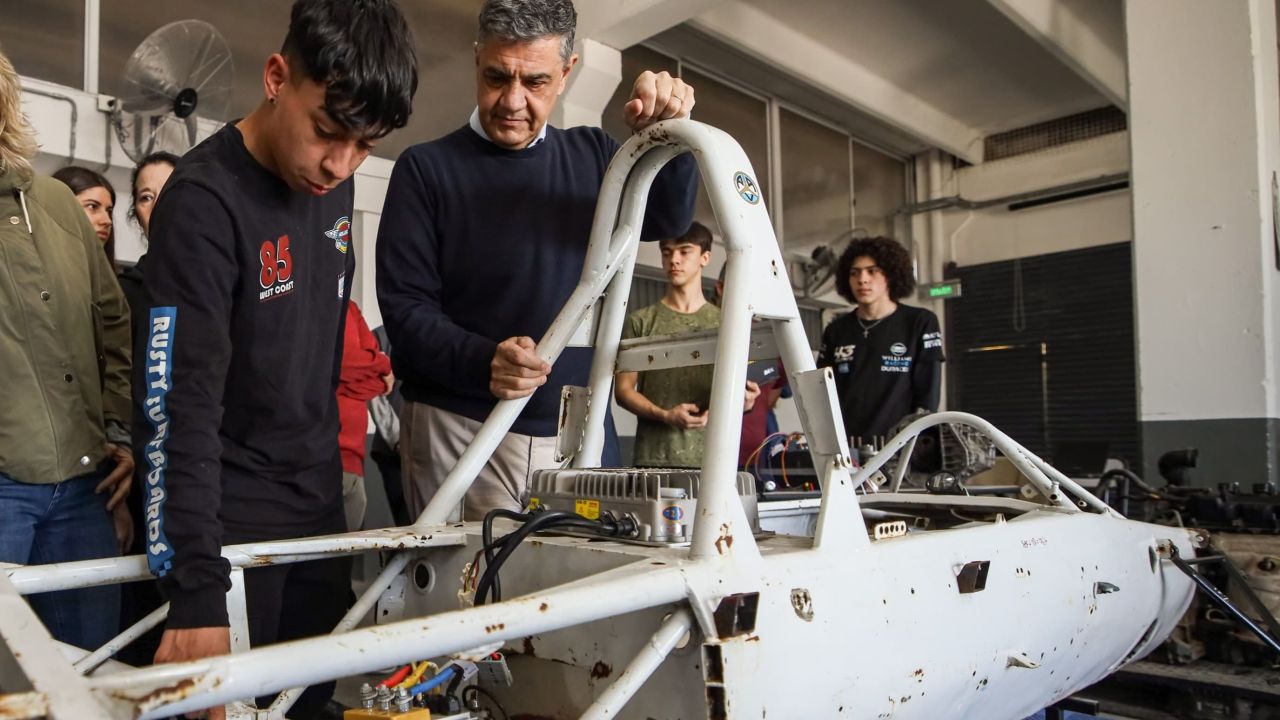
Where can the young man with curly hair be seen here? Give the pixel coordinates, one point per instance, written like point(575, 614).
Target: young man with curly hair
point(887, 357)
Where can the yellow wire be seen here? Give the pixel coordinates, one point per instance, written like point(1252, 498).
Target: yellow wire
point(419, 669)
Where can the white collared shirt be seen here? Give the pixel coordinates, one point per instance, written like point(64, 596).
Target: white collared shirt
point(479, 129)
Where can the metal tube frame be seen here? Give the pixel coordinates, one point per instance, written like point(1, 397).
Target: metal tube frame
point(363, 605)
point(642, 666)
point(90, 662)
point(1044, 477)
point(755, 285)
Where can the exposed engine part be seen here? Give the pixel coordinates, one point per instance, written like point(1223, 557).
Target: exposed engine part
point(1176, 465)
point(1219, 663)
point(494, 671)
point(965, 451)
point(661, 502)
point(1268, 632)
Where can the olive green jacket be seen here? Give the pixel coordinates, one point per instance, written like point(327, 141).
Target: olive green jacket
point(64, 335)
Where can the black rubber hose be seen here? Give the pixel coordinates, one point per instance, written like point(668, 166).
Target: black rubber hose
point(489, 581)
point(509, 544)
point(487, 535)
point(1108, 477)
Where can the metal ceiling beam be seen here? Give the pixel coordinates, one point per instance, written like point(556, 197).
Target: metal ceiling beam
point(774, 42)
point(1086, 35)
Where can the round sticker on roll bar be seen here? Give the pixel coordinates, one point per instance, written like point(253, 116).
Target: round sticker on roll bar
point(746, 188)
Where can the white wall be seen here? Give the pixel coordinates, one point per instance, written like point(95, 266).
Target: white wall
point(996, 233)
point(1206, 146)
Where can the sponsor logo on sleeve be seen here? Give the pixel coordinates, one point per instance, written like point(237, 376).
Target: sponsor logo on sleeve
point(843, 352)
point(932, 340)
point(158, 378)
point(340, 234)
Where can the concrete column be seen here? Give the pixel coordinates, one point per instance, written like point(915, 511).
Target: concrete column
point(1205, 133)
point(590, 86)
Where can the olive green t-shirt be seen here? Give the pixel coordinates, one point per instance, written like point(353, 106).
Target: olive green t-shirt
point(659, 444)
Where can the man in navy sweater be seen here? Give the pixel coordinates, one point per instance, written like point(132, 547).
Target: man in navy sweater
point(248, 275)
point(481, 241)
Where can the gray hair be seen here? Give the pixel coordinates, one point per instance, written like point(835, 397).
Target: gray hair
point(528, 20)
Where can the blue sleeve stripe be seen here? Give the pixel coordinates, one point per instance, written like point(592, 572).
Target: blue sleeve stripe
point(158, 367)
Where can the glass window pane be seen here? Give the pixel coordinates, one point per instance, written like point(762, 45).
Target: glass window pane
point(879, 188)
point(815, 183)
point(444, 31)
point(742, 116)
point(45, 40)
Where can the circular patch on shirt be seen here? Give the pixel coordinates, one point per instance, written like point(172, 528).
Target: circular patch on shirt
point(340, 234)
point(898, 349)
point(746, 187)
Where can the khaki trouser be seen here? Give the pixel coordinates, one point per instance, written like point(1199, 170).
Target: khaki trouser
point(354, 500)
point(431, 442)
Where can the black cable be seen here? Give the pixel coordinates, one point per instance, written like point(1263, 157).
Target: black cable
point(487, 537)
point(489, 544)
point(453, 689)
point(540, 521)
point(488, 695)
point(1133, 478)
point(509, 545)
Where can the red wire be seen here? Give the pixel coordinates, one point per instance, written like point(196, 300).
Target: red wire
point(397, 677)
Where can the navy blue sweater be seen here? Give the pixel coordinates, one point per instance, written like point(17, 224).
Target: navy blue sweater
point(478, 244)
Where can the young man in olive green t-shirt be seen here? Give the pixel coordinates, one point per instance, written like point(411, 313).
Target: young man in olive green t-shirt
point(671, 405)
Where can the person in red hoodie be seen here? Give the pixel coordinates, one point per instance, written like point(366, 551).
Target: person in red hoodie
point(366, 374)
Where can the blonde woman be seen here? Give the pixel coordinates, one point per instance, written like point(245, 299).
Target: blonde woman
point(64, 351)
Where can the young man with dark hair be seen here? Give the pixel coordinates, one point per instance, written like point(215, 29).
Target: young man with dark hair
point(504, 202)
point(887, 357)
point(671, 405)
point(249, 272)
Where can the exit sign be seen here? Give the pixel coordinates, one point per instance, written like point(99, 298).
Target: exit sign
point(941, 291)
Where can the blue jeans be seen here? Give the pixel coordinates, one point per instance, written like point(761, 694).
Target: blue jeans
point(63, 522)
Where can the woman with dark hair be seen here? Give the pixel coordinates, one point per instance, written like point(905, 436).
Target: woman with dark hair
point(887, 357)
point(98, 198)
point(145, 183)
point(148, 178)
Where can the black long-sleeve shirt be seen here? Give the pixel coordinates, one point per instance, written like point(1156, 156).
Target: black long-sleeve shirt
point(478, 243)
point(235, 393)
